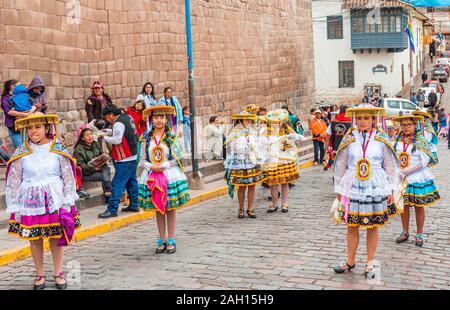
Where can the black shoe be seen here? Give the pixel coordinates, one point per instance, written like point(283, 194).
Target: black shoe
point(129, 209)
point(402, 238)
point(272, 209)
point(251, 213)
point(40, 286)
point(62, 286)
point(419, 240)
point(339, 269)
point(172, 250)
point(160, 251)
point(369, 274)
point(170, 242)
point(107, 214)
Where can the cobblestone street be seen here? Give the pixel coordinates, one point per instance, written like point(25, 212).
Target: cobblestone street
point(217, 250)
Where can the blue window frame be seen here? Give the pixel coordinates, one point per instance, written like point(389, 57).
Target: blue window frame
point(390, 22)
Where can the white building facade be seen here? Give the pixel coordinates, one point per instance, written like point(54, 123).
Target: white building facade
point(355, 52)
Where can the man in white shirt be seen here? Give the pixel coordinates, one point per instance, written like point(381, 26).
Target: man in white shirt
point(123, 138)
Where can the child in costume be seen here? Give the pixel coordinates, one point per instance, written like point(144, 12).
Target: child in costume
point(427, 128)
point(243, 161)
point(416, 154)
point(163, 186)
point(41, 198)
point(283, 160)
point(366, 174)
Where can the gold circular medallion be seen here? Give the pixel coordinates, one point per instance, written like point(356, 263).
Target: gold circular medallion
point(404, 158)
point(157, 155)
point(363, 169)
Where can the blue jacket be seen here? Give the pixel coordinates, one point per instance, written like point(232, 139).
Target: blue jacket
point(173, 101)
point(20, 101)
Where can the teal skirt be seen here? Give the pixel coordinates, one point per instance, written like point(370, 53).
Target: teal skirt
point(421, 194)
point(177, 196)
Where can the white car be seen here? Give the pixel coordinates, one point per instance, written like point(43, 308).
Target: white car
point(427, 90)
point(443, 61)
point(397, 106)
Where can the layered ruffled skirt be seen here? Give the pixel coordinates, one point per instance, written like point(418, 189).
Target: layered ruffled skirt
point(242, 172)
point(367, 201)
point(421, 194)
point(247, 177)
point(177, 190)
point(282, 173)
point(368, 213)
point(44, 226)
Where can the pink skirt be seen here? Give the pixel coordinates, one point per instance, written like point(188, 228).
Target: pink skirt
point(45, 226)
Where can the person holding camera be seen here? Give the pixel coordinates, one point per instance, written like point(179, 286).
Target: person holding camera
point(124, 141)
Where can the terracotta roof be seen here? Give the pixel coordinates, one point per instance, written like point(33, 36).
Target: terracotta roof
point(359, 4)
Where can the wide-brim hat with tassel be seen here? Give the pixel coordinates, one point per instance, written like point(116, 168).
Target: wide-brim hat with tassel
point(244, 115)
point(252, 108)
point(35, 119)
point(365, 110)
point(414, 118)
point(424, 114)
point(158, 110)
point(278, 116)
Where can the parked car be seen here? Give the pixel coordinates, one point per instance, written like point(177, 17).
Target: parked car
point(398, 106)
point(435, 84)
point(439, 74)
point(444, 67)
point(445, 61)
point(427, 90)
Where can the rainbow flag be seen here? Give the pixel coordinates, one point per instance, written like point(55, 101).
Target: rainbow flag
point(410, 34)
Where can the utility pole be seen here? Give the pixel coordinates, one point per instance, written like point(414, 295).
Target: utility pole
point(195, 180)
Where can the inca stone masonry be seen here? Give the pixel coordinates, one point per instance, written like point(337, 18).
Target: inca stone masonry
point(245, 51)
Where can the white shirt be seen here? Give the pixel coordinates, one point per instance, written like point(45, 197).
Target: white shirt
point(115, 137)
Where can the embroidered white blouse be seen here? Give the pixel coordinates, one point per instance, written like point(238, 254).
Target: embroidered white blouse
point(40, 180)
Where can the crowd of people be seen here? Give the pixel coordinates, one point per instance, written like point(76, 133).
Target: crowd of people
point(380, 169)
point(41, 198)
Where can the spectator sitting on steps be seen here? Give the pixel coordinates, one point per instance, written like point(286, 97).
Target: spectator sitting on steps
point(85, 150)
point(213, 135)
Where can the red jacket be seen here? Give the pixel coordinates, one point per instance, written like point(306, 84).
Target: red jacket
point(138, 121)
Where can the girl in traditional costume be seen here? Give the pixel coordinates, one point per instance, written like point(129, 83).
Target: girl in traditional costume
point(243, 161)
point(416, 154)
point(41, 197)
point(366, 174)
point(163, 185)
point(283, 160)
point(427, 129)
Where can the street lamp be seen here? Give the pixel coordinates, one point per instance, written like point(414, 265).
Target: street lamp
point(194, 179)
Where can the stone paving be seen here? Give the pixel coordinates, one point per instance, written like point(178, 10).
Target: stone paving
point(216, 250)
point(297, 250)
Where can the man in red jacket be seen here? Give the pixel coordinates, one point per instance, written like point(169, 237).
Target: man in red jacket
point(335, 132)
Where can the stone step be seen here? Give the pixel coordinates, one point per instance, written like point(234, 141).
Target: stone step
point(210, 170)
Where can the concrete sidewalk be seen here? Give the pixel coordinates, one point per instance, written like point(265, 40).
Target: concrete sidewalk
point(13, 248)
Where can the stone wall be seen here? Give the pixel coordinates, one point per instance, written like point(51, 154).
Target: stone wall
point(245, 51)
